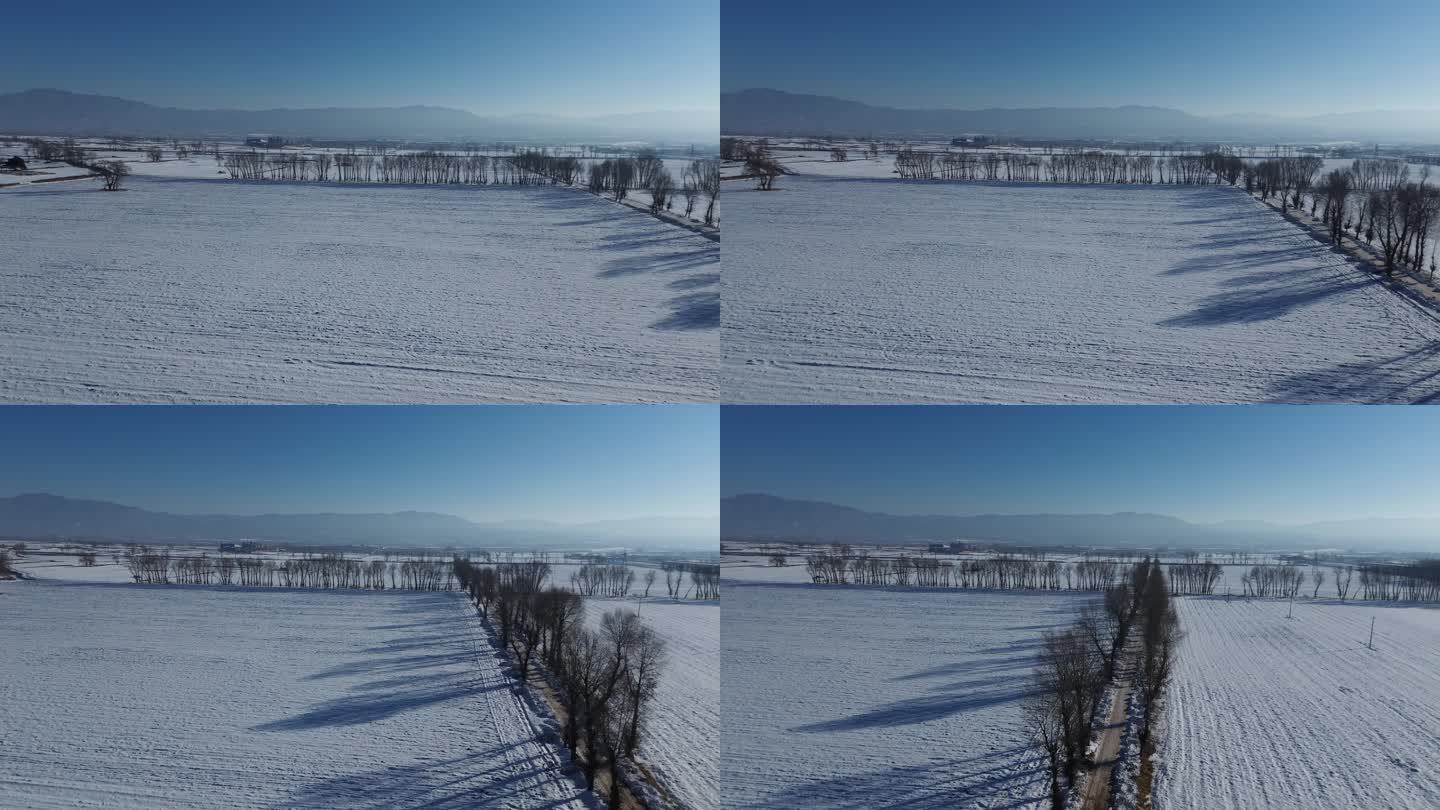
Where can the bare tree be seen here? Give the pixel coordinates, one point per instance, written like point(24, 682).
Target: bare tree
point(765, 171)
point(112, 173)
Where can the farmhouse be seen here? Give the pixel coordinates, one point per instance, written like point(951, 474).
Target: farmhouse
point(266, 141)
point(15, 164)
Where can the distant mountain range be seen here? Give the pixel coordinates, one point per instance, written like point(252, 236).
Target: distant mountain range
point(763, 517)
point(774, 112)
point(58, 112)
point(42, 516)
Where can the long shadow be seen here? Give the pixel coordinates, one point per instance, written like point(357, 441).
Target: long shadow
point(1252, 306)
point(1199, 264)
point(952, 699)
point(1409, 377)
point(691, 312)
point(370, 707)
point(1006, 779)
point(469, 781)
point(695, 282)
point(664, 263)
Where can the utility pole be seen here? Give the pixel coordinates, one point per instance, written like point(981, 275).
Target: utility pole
point(1291, 614)
point(1371, 642)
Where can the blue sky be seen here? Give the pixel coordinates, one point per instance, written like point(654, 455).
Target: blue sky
point(1223, 56)
point(562, 463)
point(1288, 464)
point(560, 57)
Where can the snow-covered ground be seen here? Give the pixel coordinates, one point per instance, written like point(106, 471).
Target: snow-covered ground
point(185, 290)
point(883, 291)
point(682, 747)
point(169, 696)
point(876, 697)
point(1297, 713)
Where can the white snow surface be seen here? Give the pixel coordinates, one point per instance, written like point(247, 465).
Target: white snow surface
point(193, 291)
point(682, 744)
point(137, 696)
point(1266, 711)
point(850, 290)
point(859, 697)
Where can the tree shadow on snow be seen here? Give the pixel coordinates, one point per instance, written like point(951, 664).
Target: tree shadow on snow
point(1000, 780)
point(379, 703)
point(664, 263)
point(970, 694)
point(478, 779)
point(1252, 306)
point(1409, 377)
point(693, 311)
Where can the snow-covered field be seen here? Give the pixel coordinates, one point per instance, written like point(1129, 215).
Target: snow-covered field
point(186, 290)
point(880, 698)
point(158, 697)
point(683, 743)
point(1297, 713)
point(879, 291)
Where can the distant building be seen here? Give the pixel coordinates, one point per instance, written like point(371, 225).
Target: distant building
point(265, 141)
point(239, 548)
point(936, 548)
point(973, 140)
point(15, 164)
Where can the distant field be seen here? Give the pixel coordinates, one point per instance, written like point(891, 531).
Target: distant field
point(188, 290)
point(170, 696)
point(880, 698)
point(1267, 711)
point(854, 290)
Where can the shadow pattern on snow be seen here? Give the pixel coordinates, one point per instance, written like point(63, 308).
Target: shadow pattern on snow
point(1000, 780)
point(1412, 377)
point(467, 781)
point(1249, 305)
point(981, 691)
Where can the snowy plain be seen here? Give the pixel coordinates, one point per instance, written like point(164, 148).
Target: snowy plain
point(861, 697)
point(978, 292)
point(171, 696)
point(180, 290)
point(682, 747)
point(1267, 711)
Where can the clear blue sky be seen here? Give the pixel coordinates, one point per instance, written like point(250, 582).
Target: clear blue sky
point(559, 57)
point(562, 463)
point(1224, 56)
point(1288, 464)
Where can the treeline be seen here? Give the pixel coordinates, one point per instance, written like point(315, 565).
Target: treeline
point(1374, 201)
point(324, 572)
point(111, 172)
point(1077, 166)
point(1075, 666)
point(605, 679)
point(1001, 572)
point(613, 177)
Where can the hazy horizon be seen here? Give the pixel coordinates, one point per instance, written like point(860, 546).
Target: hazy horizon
point(1218, 59)
point(566, 464)
point(563, 58)
point(1284, 465)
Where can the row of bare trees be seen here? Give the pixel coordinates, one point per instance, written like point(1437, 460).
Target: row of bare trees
point(605, 679)
point(1374, 201)
point(1408, 582)
point(1075, 665)
point(603, 580)
point(1077, 166)
point(325, 571)
point(1001, 572)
